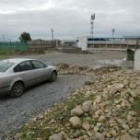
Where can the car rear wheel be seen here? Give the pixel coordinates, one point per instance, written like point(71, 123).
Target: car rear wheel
point(53, 76)
point(17, 89)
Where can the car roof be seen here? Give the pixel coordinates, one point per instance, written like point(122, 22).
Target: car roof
point(17, 60)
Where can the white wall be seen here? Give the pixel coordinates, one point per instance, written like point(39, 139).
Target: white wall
point(137, 60)
point(82, 43)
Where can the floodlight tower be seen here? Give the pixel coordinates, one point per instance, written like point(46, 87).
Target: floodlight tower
point(113, 33)
point(92, 27)
point(113, 36)
point(52, 33)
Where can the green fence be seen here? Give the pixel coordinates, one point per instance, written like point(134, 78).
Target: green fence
point(130, 54)
point(13, 46)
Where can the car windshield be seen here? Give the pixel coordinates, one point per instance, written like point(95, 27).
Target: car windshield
point(5, 65)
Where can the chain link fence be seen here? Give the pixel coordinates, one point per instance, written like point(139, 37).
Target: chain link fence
point(13, 46)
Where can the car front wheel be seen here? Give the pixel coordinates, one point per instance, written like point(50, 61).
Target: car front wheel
point(53, 76)
point(17, 89)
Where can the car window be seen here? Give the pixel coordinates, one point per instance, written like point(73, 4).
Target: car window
point(38, 65)
point(25, 66)
point(5, 65)
point(17, 69)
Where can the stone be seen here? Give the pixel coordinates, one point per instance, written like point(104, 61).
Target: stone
point(115, 88)
point(111, 89)
point(132, 113)
point(99, 124)
point(113, 132)
point(133, 94)
point(134, 132)
point(77, 111)
point(133, 85)
point(75, 122)
point(102, 119)
point(86, 107)
point(125, 126)
point(129, 118)
point(123, 104)
point(77, 133)
point(102, 104)
point(126, 82)
point(118, 106)
point(126, 137)
point(89, 134)
point(99, 136)
point(39, 139)
point(98, 99)
point(96, 129)
point(98, 112)
point(108, 135)
point(59, 136)
point(34, 119)
point(119, 86)
point(131, 100)
point(86, 126)
point(120, 121)
point(40, 116)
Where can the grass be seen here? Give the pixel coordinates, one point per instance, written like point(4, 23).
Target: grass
point(42, 128)
point(5, 54)
point(136, 105)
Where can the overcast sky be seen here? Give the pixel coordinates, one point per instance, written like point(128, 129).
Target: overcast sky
point(68, 18)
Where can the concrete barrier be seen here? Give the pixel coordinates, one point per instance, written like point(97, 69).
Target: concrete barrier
point(137, 60)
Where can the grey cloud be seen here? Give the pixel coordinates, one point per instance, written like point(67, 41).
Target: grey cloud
point(69, 18)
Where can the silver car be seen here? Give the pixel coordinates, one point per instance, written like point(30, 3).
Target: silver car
point(18, 74)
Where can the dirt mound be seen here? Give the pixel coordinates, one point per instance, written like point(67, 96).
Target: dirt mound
point(108, 108)
point(107, 69)
point(65, 68)
point(62, 66)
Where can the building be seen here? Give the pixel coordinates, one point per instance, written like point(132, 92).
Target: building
point(132, 41)
point(88, 43)
point(43, 44)
point(68, 42)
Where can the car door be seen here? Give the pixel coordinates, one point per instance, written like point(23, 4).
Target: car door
point(40, 70)
point(28, 73)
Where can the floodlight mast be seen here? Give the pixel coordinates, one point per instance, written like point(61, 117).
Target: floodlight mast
point(113, 36)
point(113, 33)
point(52, 33)
point(92, 27)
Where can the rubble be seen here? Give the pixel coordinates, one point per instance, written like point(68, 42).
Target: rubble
point(106, 109)
point(65, 68)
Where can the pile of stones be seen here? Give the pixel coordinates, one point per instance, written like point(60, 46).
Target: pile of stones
point(65, 68)
point(114, 113)
point(106, 108)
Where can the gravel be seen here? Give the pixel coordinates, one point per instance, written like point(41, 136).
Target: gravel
point(15, 112)
point(95, 60)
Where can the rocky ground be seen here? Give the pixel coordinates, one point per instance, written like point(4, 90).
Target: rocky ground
point(15, 112)
point(105, 108)
point(65, 68)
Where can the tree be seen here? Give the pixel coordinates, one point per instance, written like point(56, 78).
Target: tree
point(24, 37)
